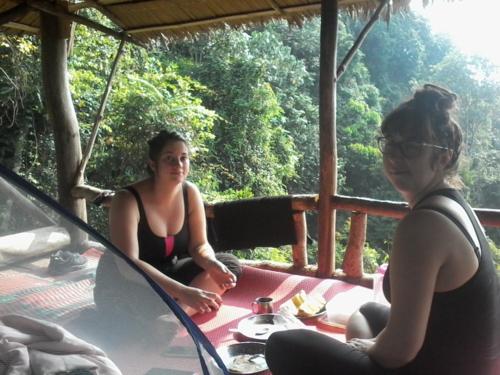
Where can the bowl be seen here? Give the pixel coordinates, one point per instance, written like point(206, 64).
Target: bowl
point(244, 358)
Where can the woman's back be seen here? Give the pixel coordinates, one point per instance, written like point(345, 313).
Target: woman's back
point(463, 329)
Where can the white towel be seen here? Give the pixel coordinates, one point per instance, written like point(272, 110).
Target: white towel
point(38, 347)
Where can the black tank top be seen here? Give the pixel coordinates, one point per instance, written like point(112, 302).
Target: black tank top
point(463, 331)
point(161, 251)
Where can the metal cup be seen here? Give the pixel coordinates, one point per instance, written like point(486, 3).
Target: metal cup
point(262, 305)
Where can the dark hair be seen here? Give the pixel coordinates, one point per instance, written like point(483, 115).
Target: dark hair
point(159, 141)
point(427, 117)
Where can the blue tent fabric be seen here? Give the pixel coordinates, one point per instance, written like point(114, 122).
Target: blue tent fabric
point(20, 261)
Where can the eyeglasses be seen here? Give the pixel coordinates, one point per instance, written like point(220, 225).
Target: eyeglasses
point(409, 149)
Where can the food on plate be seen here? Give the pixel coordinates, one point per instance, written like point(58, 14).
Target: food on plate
point(247, 363)
point(305, 305)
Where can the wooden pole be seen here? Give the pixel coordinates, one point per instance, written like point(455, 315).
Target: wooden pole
point(299, 249)
point(327, 137)
point(353, 258)
point(361, 38)
point(61, 113)
point(100, 112)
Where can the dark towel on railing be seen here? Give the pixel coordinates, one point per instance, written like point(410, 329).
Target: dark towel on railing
point(250, 223)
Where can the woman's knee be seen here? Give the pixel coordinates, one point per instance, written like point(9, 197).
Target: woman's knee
point(368, 321)
point(278, 355)
point(358, 327)
point(300, 352)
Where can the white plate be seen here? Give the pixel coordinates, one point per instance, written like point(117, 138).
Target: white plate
point(260, 327)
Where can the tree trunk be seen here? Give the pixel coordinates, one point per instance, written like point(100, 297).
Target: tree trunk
point(54, 33)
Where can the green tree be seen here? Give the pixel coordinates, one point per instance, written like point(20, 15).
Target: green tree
point(26, 142)
point(251, 146)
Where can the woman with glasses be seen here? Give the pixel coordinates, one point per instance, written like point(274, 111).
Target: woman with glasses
point(159, 223)
point(441, 280)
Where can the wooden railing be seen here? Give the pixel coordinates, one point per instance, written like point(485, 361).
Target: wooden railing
point(360, 208)
point(352, 266)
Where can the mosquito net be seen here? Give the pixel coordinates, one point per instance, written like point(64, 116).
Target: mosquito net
point(63, 312)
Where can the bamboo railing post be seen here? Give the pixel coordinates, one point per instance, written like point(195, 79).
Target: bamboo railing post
point(327, 138)
point(299, 250)
point(353, 258)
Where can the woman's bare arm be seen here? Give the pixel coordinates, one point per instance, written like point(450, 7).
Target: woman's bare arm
point(199, 247)
point(419, 251)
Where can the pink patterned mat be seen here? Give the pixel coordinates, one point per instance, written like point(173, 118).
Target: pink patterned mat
point(29, 290)
point(281, 287)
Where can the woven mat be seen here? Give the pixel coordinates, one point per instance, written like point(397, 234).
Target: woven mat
point(281, 287)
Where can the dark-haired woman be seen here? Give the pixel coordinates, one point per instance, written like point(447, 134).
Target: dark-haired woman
point(441, 280)
point(159, 223)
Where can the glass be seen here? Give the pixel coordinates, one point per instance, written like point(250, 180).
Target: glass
point(409, 149)
point(262, 305)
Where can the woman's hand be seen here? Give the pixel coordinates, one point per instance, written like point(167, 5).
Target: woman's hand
point(221, 275)
point(200, 300)
point(361, 344)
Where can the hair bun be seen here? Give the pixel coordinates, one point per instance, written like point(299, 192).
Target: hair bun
point(435, 99)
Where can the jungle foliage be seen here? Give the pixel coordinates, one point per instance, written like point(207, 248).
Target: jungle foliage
point(247, 100)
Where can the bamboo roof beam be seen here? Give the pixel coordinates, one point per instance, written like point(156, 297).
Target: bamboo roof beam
point(13, 14)
point(276, 6)
point(21, 27)
point(54, 10)
point(223, 19)
point(75, 7)
point(95, 5)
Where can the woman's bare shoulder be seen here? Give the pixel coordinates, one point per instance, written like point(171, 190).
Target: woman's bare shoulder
point(191, 187)
point(422, 221)
point(123, 196)
point(123, 200)
point(425, 231)
point(193, 191)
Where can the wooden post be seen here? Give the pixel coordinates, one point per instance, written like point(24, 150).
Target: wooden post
point(327, 137)
point(299, 250)
point(54, 33)
point(353, 258)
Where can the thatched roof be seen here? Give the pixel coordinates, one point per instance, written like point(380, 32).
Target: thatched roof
point(143, 20)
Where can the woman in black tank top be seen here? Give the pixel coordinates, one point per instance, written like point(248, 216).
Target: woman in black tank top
point(441, 280)
point(159, 223)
